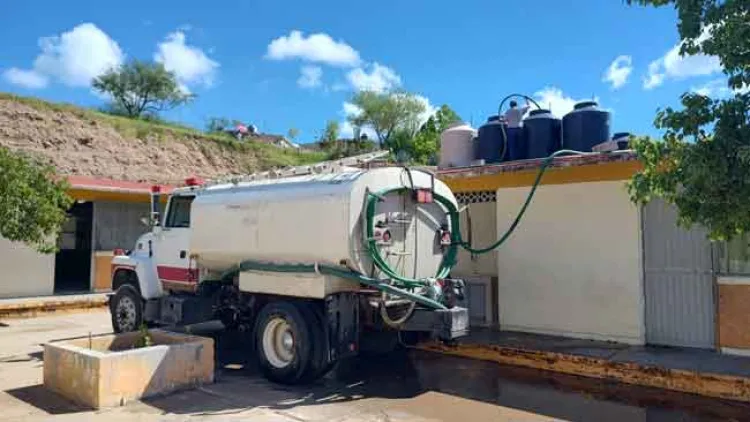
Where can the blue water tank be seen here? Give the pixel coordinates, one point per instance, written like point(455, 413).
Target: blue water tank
point(541, 133)
point(585, 127)
point(491, 141)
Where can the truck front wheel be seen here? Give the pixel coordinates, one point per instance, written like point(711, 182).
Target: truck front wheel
point(283, 343)
point(126, 308)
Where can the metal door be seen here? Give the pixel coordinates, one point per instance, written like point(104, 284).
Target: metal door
point(678, 280)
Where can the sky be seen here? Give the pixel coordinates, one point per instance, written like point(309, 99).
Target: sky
point(296, 64)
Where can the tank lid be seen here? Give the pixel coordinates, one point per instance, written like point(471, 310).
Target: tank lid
point(538, 112)
point(585, 104)
point(493, 118)
point(621, 135)
point(459, 125)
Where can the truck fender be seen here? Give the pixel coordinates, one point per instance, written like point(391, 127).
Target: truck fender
point(138, 271)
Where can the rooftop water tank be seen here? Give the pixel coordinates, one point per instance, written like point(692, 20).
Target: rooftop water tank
point(541, 132)
point(585, 127)
point(491, 142)
point(622, 139)
point(457, 145)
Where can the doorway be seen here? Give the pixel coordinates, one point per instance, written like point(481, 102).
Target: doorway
point(73, 260)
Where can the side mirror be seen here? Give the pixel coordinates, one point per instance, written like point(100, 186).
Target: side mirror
point(145, 222)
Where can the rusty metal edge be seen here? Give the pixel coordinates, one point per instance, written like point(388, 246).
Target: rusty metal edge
point(684, 381)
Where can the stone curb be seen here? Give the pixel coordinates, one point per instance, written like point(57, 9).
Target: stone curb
point(702, 383)
point(32, 308)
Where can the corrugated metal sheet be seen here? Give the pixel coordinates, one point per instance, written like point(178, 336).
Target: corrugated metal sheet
point(118, 224)
point(678, 280)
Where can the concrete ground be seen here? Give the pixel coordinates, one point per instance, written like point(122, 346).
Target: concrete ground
point(414, 386)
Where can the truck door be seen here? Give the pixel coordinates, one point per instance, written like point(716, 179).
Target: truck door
point(176, 270)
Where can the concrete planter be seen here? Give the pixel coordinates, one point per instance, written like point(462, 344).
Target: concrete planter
point(105, 371)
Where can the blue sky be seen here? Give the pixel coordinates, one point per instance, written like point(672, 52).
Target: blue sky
point(296, 63)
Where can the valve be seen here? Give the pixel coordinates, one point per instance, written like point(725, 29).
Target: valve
point(444, 236)
point(381, 234)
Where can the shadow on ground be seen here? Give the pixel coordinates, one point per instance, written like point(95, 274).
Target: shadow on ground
point(372, 382)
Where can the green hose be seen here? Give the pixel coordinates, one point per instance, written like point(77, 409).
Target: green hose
point(547, 161)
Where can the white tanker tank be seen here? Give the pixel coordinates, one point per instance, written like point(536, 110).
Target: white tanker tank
point(319, 219)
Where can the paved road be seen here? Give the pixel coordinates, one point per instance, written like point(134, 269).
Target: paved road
point(399, 387)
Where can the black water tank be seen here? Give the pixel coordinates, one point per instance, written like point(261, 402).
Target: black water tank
point(622, 139)
point(541, 133)
point(585, 126)
point(491, 141)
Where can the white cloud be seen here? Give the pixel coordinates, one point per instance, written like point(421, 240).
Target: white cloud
point(351, 110)
point(674, 66)
point(26, 78)
point(319, 48)
point(310, 76)
point(556, 101)
point(73, 58)
point(189, 63)
point(717, 88)
point(380, 78)
point(619, 71)
point(429, 109)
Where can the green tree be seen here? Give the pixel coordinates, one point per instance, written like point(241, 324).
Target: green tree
point(292, 133)
point(426, 142)
point(217, 124)
point(33, 203)
point(331, 132)
point(141, 88)
point(702, 165)
point(386, 113)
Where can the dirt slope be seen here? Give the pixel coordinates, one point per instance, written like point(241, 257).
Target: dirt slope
point(85, 142)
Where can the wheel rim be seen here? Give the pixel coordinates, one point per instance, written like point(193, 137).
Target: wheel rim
point(278, 343)
point(126, 314)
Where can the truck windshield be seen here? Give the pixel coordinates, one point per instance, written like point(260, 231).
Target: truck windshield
point(179, 212)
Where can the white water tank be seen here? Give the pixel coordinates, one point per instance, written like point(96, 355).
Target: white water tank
point(318, 219)
point(457, 146)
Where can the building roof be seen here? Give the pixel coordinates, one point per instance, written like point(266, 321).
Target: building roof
point(89, 188)
point(617, 165)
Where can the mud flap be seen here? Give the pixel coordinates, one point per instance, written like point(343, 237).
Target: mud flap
point(445, 324)
point(342, 325)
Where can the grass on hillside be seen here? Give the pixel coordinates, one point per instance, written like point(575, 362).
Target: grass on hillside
point(269, 156)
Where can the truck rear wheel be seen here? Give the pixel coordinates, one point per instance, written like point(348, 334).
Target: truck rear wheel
point(283, 343)
point(126, 309)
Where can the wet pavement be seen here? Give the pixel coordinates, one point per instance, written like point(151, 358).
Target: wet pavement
point(401, 386)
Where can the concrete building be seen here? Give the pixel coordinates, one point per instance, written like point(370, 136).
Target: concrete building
point(585, 262)
point(106, 215)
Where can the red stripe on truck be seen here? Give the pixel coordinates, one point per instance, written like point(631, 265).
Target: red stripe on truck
point(179, 274)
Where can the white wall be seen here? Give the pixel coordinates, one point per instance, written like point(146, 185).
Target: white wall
point(25, 272)
point(483, 233)
point(573, 266)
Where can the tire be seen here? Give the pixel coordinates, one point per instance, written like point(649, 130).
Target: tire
point(283, 343)
point(126, 309)
point(320, 365)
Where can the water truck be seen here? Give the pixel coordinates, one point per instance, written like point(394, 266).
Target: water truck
point(309, 261)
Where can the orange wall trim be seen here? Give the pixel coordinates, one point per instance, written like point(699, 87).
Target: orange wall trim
point(111, 196)
point(554, 176)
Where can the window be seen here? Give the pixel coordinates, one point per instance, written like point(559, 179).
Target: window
point(734, 256)
point(179, 211)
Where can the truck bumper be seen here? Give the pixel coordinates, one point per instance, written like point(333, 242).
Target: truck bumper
point(445, 324)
